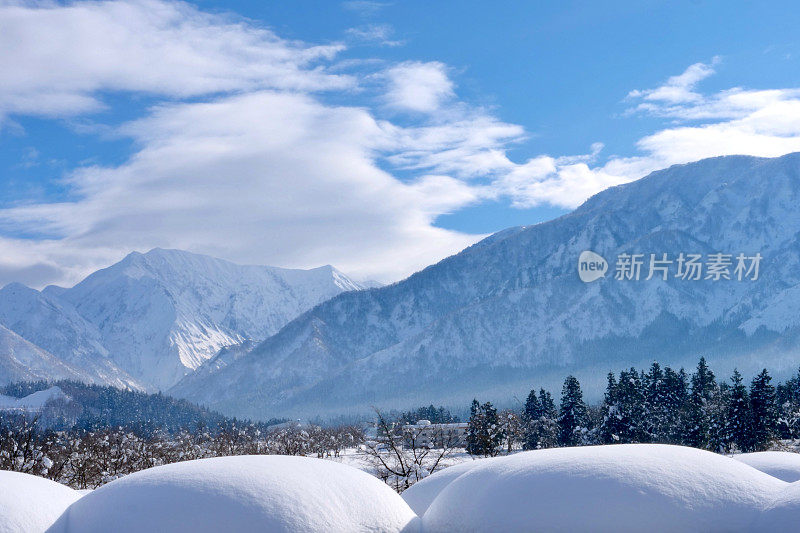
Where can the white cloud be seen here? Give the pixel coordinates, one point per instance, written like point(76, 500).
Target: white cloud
point(264, 177)
point(418, 86)
point(678, 89)
point(57, 58)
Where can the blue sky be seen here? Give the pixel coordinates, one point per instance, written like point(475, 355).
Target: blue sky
point(376, 136)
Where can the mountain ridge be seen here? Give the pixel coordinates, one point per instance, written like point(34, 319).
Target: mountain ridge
point(511, 306)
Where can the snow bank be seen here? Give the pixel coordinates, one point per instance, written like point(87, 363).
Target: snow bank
point(242, 494)
point(631, 487)
point(30, 504)
point(421, 494)
point(782, 465)
point(32, 402)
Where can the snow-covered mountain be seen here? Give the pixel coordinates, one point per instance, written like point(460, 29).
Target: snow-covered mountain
point(152, 318)
point(511, 312)
point(21, 360)
point(58, 328)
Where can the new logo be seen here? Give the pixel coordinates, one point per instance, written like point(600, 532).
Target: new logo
point(591, 266)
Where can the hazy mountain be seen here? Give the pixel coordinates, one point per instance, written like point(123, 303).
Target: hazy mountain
point(152, 318)
point(511, 312)
point(57, 327)
point(21, 360)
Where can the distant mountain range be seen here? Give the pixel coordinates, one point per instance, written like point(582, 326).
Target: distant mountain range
point(506, 314)
point(150, 319)
point(511, 312)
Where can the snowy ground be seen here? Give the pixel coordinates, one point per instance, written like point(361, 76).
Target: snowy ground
point(629, 487)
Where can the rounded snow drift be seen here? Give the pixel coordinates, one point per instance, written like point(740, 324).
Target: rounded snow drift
point(242, 494)
point(782, 465)
point(30, 504)
point(422, 493)
point(628, 487)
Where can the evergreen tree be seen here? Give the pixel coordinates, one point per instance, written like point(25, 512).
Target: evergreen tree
point(533, 415)
point(656, 405)
point(698, 420)
point(484, 433)
point(788, 398)
point(763, 410)
point(625, 415)
point(676, 399)
point(548, 405)
point(717, 410)
point(572, 416)
point(533, 407)
point(548, 422)
point(739, 423)
point(611, 427)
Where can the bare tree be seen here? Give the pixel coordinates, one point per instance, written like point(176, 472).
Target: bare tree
point(403, 454)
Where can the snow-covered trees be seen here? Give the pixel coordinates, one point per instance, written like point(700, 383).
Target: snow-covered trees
point(540, 421)
point(485, 434)
point(763, 409)
point(572, 416)
point(739, 422)
point(660, 406)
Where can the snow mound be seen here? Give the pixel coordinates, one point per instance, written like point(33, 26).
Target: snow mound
point(30, 504)
point(627, 487)
point(782, 465)
point(242, 494)
point(783, 513)
point(422, 493)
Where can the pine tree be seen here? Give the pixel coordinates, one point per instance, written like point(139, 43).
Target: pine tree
point(485, 434)
point(611, 427)
point(788, 398)
point(572, 417)
point(676, 400)
point(533, 415)
point(548, 422)
point(763, 410)
point(739, 423)
point(698, 420)
point(717, 409)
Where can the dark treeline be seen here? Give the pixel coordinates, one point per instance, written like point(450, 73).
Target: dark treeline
point(659, 405)
point(92, 407)
point(435, 415)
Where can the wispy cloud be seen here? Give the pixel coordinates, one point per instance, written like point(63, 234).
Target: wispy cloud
point(381, 34)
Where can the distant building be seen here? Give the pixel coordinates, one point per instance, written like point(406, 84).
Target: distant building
point(423, 434)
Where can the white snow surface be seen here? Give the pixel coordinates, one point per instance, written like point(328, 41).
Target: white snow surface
point(782, 465)
point(242, 494)
point(31, 504)
point(32, 402)
point(422, 493)
point(630, 487)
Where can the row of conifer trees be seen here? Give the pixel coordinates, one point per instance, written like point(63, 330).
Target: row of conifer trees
point(659, 405)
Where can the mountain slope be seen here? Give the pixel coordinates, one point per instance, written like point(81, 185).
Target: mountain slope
point(510, 311)
point(55, 326)
point(160, 315)
point(21, 360)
